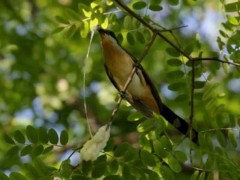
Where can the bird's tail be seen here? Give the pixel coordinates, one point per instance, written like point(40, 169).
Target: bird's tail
point(178, 122)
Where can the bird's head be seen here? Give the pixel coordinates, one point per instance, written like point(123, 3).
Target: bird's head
point(107, 36)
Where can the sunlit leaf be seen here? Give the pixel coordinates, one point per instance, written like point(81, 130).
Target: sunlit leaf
point(145, 126)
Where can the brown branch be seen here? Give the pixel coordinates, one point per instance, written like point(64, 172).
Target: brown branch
point(147, 48)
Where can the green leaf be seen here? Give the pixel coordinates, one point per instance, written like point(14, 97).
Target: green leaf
point(139, 37)
point(155, 7)
point(52, 136)
point(66, 169)
point(172, 52)
point(71, 31)
point(121, 149)
point(16, 176)
point(71, 14)
point(62, 20)
point(221, 138)
point(131, 154)
point(114, 166)
point(174, 62)
point(48, 149)
point(195, 175)
point(42, 135)
point(182, 98)
point(64, 137)
point(3, 176)
point(37, 150)
point(135, 116)
point(165, 142)
point(145, 126)
point(112, 177)
point(19, 137)
point(98, 170)
point(232, 138)
point(173, 2)
point(159, 149)
point(13, 151)
point(78, 177)
point(177, 86)
point(202, 176)
point(180, 156)
point(199, 84)
point(173, 164)
point(84, 29)
point(87, 167)
point(139, 5)
point(166, 173)
point(31, 133)
point(110, 145)
point(8, 139)
point(130, 39)
point(232, 7)
point(175, 74)
point(127, 22)
point(147, 158)
point(26, 150)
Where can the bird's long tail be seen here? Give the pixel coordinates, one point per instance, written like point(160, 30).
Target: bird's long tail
point(178, 123)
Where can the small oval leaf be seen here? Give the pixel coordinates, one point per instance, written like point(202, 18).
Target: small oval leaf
point(31, 133)
point(64, 137)
point(139, 5)
point(19, 137)
point(53, 136)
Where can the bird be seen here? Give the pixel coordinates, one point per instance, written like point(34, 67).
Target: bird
point(141, 92)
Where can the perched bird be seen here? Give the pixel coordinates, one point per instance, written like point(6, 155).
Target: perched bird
point(141, 93)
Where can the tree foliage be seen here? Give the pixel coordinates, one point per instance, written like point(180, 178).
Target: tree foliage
point(48, 80)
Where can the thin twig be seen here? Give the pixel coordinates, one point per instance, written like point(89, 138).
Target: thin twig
point(148, 46)
point(215, 59)
point(192, 107)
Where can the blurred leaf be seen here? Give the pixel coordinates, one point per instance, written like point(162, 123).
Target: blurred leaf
point(31, 133)
point(166, 173)
point(172, 52)
point(173, 2)
point(52, 136)
point(37, 150)
point(19, 137)
point(112, 177)
point(232, 138)
point(26, 150)
point(8, 139)
point(66, 169)
point(147, 158)
point(121, 149)
point(98, 170)
point(16, 176)
point(174, 62)
point(155, 7)
point(42, 135)
point(145, 126)
point(64, 137)
point(3, 176)
point(139, 5)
